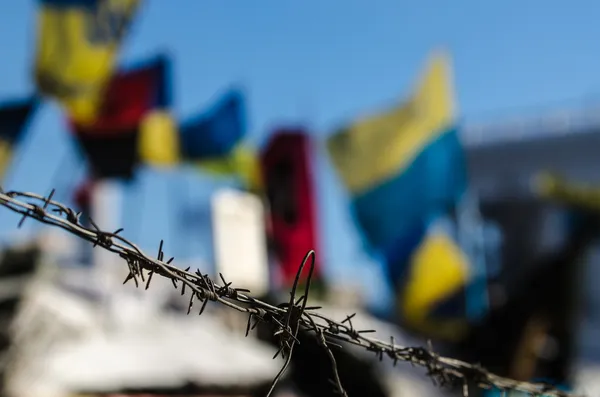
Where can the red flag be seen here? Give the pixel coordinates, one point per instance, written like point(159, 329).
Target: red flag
point(290, 190)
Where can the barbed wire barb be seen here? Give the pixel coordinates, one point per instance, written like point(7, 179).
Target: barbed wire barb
point(287, 318)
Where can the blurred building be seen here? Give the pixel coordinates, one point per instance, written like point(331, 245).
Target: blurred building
point(504, 156)
point(504, 159)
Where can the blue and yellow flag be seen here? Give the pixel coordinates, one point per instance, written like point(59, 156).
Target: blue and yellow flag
point(77, 47)
point(212, 141)
point(216, 132)
point(159, 146)
point(375, 149)
point(14, 119)
point(404, 164)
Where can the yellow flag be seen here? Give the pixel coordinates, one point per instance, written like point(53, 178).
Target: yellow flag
point(438, 269)
point(77, 46)
point(158, 143)
point(376, 148)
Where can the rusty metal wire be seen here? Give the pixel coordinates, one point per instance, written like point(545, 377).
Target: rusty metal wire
point(286, 318)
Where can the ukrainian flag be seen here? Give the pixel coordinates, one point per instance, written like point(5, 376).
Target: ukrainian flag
point(403, 169)
point(212, 141)
point(216, 132)
point(159, 146)
point(210, 138)
point(14, 118)
point(77, 46)
point(402, 165)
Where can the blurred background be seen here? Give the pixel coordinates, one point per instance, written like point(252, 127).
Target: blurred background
point(440, 158)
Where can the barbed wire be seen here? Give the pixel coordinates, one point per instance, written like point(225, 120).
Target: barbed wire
point(286, 318)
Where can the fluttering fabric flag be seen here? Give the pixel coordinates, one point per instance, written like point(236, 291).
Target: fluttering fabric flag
point(289, 184)
point(404, 168)
point(14, 120)
point(401, 165)
point(212, 141)
point(392, 215)
point(215, 133)
point(77, 47)
point(111, 142)
point(389, 142)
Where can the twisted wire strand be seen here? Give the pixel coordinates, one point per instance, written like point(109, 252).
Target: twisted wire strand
point(286, 318)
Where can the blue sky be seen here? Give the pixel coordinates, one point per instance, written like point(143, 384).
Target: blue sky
point(318, 63)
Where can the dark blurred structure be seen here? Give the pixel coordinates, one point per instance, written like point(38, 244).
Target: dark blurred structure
point(531, 228)
point(530, 329)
